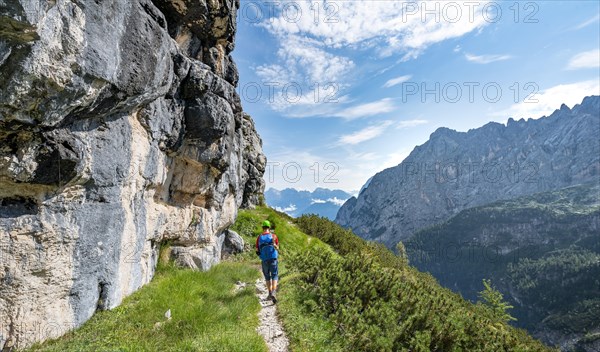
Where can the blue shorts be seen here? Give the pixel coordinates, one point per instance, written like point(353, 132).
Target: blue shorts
point(270, 270)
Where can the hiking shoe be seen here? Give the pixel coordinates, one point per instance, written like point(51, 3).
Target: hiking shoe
point(273, 298)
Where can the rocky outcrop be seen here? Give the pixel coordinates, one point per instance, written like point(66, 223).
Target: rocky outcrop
point(459, 170)
point(233, 243)
point(120, 128)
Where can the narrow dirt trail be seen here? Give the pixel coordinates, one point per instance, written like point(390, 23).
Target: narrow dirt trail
point(270, 327)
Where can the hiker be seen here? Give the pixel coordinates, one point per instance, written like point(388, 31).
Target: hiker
point(267, 247)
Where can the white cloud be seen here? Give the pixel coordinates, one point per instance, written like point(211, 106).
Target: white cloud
point(366, 156)
point(588, 22)
point(337, 201)
point(411, 123)
point(368, 109)
point(546, 101)
point(306, 78)
point(308, 106)
point(320, 170)
point(395, 81)
point(365, 134)
point(318, 65)
point(334, 200)
point(274, 73)
point(486, 59)
point(288, 209)
point(305, 74)
point(379, 24)
point(586, 59)
point(315, 37)
point(393, 159)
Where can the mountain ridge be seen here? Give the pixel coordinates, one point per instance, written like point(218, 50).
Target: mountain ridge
point(457, 170)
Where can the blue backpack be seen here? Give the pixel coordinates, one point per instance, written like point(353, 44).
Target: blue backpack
point(266, 247)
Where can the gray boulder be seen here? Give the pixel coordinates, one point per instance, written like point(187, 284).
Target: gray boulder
point(234, 243)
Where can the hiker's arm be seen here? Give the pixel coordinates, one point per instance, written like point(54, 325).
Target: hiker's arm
point(256, 246)
point(276, 242)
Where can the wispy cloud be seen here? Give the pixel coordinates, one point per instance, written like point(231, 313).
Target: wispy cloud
point(334, 200)
point(316, 64)
point(548, 100)
point(312, 50)
point(289, 209)
point(385, 24)
point(395, 158)
point(587, 22)
point(486, 59)
point(368, 109)
point(363, 156)
point(337, 201)
point(587, 59)
point(395, 81)
point(411, 123)
point(365, 134)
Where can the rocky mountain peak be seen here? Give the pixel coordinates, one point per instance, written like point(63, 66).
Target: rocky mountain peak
point(458, 170)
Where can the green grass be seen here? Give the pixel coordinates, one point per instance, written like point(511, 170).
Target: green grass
point(206, 315)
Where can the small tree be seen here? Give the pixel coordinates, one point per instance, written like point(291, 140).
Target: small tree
point(494, 300)
point(401, 252)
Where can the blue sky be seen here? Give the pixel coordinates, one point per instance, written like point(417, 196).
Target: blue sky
point(340, 90)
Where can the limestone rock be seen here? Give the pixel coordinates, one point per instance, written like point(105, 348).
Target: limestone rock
point(200, 256)
point(234, 243)
point(120, 128)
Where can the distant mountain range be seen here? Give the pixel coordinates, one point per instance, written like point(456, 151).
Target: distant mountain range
point(322, 201)
point(454, 171)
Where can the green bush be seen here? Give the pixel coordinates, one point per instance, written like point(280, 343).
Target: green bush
point(376, 302)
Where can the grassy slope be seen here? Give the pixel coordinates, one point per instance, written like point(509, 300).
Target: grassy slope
point(206, 316)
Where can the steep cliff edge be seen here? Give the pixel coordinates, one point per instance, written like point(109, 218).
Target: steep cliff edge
point(454, 171)
point(120, 128)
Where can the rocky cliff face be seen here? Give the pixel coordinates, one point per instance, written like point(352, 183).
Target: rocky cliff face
point(459, 170)
point(120, 128)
